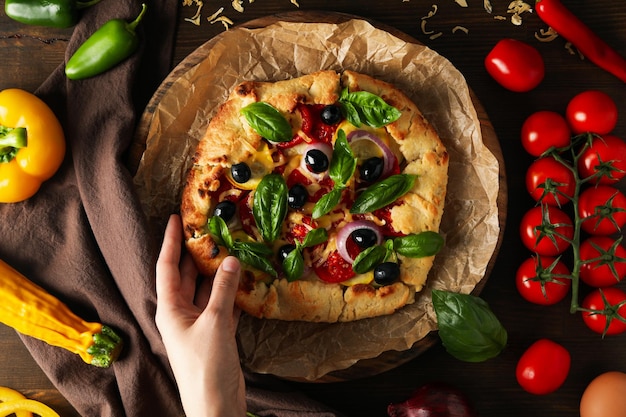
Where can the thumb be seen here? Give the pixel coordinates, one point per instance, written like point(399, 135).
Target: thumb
point(225, 284)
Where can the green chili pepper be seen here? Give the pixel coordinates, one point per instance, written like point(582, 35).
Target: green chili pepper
point(51, 13)
point(115, 41)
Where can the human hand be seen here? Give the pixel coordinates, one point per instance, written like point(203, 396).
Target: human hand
point(198, 329)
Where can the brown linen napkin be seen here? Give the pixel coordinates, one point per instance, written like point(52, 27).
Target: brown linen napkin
point(84, 238)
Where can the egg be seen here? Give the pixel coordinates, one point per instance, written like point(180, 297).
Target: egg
point(605, 396)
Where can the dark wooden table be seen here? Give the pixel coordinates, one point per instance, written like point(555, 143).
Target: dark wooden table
point(29, 54)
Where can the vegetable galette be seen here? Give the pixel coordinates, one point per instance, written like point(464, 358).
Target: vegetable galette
point(328, 187)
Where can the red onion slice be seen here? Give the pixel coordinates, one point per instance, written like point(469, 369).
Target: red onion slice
point(321, 146)
point(389, 158)
point(344, 234)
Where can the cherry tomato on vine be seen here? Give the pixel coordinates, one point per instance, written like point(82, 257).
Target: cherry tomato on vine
point(544, 130)
point(605, 158)
point(550, 182)
point(546, 230)
point(604, 261)
point(540, 280)
point(543, 367)
point(609, 311)
point(591, 111)
point(515, 65)
point(603, 209)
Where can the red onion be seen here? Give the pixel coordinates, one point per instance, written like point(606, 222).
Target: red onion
point(435, 399)
point(321, 146)
point(344, 234)
point(389, 158)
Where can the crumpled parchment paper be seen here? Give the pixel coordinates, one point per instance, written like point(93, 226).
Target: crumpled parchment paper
point(283, 50)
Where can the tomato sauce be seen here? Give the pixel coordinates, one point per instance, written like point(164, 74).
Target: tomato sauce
point(334, 269)
point(313, 125)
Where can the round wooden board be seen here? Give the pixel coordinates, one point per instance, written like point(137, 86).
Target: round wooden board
point(390, 359)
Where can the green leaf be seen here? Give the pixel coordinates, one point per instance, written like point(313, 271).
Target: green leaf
point(256, 247)
point(268, 122)
point(255, 260)
point(293, 265)
point(219, 231)
point(343, 162)
point(328, 202)
point(269, 207)
point(369, 108)
point(467, 327)
point(314, 237)
point(383, 193)
point(369, 258)
point(418, 245)
point(351, 113)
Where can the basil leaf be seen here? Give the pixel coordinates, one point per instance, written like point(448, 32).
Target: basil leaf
point(343, 162)
point(369, 258)
point(293, 265)
point(467, 327)
point(314, 237)
point(325, 204)
point(351, 113)
point(220, 232)
point(342, 167)
point(371, 109)
point(418, 245)
point(255, 260)
point(390, 251)
point(383, 193)
point(256, 247)
point(269, 207)
point(268, 122)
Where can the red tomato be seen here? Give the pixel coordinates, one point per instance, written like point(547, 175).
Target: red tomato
point(550, 182)
point(602, 209)
point(606, 311)
point(334, 269)
point(543, 367)
point(591, 111)
point(604, 261)
point(312, 123)
point(544, 130)
point(546, 230)
point(605, 158)
point(540, 280)
point(515, 65)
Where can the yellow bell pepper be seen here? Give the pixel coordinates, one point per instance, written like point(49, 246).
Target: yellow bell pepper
point(32, 144)
point(9, 395)
point(13, 403)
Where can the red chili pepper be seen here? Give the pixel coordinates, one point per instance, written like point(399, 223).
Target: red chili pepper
point(567, 25)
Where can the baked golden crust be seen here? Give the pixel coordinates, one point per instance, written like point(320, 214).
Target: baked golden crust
point(229, 140)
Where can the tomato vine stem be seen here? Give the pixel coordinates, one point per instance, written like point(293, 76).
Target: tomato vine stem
point(556, 153)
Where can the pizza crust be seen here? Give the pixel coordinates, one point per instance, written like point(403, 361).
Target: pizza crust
point(316, 301)
point(230, 140)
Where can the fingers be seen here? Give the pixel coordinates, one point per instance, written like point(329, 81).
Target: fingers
point(176, 280)
point(167, 272)
point(225, 284)
point(188, 277)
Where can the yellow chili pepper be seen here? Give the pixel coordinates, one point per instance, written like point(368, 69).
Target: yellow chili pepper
point(32, 144)
point(29, 309)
